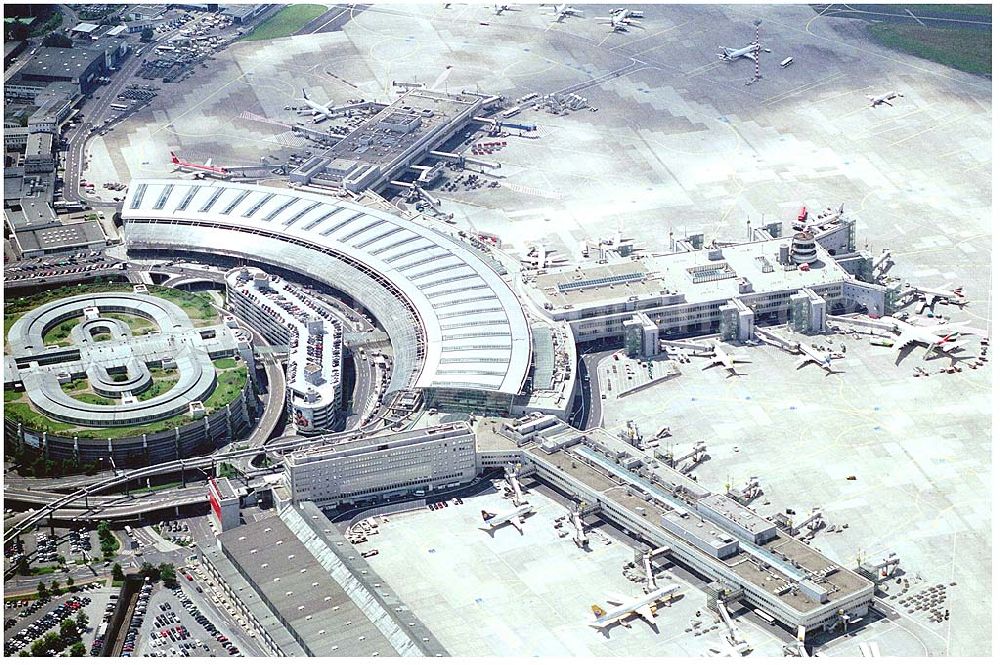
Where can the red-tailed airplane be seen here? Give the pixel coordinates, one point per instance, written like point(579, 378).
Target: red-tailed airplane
point(206, 168)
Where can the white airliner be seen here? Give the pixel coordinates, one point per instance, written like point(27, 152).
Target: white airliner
point(625, 12)
point(720, 357)
point(315, 108)
point(619, 22)
point(500, 9)
point(930, 297)
point(941, 338)
point(564, 10)
point(515, 518)
point(823, 359)
point(730, 54)
point(644, 606)
point(884, 98)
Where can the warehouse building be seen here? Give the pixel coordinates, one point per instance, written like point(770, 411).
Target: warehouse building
point(346, 469)
point(80, 66)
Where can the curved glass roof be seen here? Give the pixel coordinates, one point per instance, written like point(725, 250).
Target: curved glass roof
point(474, 332)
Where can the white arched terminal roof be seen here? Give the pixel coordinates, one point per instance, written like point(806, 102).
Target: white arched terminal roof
point(430, 291)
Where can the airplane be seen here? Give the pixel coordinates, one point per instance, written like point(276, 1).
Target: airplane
point(500, 9)
point(942, 338)
point(204, 169)
point(619, 22)
point(540, 258)
point(884, 98)
point(644, 606)
point(930, 297)
point(316, 109)
point(824, 360)
point(732, 54)
point(624, 12)
point(515, 518)
point(720, 357)
point(564, 10)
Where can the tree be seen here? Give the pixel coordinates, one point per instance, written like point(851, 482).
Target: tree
point(168, 575)
point(48, 642)
point(55, 587)
point(23, 654)
point(57, 40)
point(23, 567)
point(43, 592)
point(116, 572)
point(82, 621)
point(69, 582)
point(68, 630)
point(78, 650)
point(17, 32)
point(146, 35)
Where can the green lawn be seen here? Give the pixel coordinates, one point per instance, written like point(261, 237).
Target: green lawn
point(91, 398)
point(225, 363)
point(931, 10)
point(287, 22)
point(59, 334)
point(158, 387)
point(137, 324)
point(965, 50)
point(229, 383)
point(12, 395)
point(197, 306)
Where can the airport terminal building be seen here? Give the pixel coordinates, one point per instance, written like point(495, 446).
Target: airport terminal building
point(457, 329)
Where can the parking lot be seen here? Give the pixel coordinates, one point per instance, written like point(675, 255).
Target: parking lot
point(174, 627)
point(26, 621)
point(82, 263)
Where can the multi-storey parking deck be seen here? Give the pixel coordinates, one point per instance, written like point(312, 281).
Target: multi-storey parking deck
point(455, 324)
point(286, 315)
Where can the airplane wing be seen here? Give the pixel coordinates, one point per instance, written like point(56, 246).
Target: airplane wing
point(887, 102)
point(646, 612)
point(804, 363)
point(903, 339)
point(618, 599)
point(740, 359)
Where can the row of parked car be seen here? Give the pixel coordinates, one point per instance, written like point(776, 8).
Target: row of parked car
point(137, 618)
point(206, 623)
point(49, 621)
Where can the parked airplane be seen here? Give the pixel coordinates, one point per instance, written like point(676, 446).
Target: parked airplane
point(625, 12)
point(206, 168)
point(941, 338)
point(540, 258)
point(930, 297)
point(316, 109)
point(500, 9)
point(564, 10)
point(619, 22)
point(720, 357)
point(824, 360)
point(515, 518)
point(884, 98)
point(644, 606)
point(730, 54)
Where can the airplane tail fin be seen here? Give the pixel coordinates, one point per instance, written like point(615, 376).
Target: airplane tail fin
point(305, 95)
point(598, 611)
point(487, 516)
point(173, 158)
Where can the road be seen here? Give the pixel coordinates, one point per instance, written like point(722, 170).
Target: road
point(96, 110)
point(592, 414)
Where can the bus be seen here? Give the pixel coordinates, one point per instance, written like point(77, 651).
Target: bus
point(765, 616)
point(120, 107)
